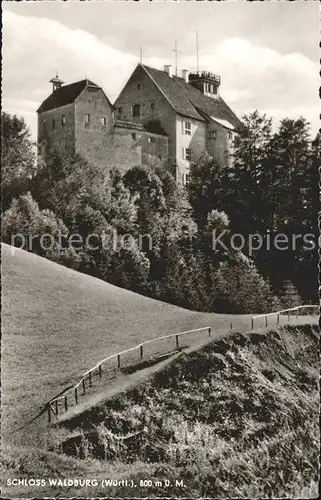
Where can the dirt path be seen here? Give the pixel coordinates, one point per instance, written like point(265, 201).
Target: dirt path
point(122, 382)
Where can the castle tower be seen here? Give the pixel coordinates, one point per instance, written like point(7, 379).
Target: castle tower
point(208, 83)
point(56, 82)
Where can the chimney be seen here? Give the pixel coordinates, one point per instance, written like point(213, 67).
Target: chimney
point(169, 70)
point(185, 75)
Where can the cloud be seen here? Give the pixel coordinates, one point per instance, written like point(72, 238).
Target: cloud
point(253, 76)
point(256, 77)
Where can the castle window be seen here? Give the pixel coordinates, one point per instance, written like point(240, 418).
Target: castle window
point(187, 154)
point(152, 106)
point(187, 128)
point(63, 120)
point(186, 178)
point(139, 87)
point(230, 135)
point(87, 119)
point(134, 136)
point(212, 134)
point(152, 140)
point(136, 110)
point(103, 121)
point(53, 124)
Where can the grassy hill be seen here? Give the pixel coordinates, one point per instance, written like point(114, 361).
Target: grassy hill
point(57, 323)
point(237, 418)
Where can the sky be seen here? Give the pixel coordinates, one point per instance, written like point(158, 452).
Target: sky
point(265, 52)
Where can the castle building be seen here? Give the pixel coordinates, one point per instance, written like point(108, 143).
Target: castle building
point(79, 118)
point(188, 108)
point(158, 118)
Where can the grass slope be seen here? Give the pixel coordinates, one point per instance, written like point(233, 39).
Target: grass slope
point(57, 323)
point(235, 419)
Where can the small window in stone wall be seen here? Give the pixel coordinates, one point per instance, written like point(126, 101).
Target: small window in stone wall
point(136, 110)
point(134, 136)
point(103, 121)
point(87, 119)
point(139, 87)
point(212, 134)
point(152, 106)
point(53, 124)
point(152, 140)
point(63, 120)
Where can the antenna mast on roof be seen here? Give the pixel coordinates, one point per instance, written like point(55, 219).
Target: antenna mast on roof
point(141, 54)
point(176, 58)
point(197, 65)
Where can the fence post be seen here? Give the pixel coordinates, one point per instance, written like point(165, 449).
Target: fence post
point(266, 321)
point(252, 323)
point(209, 331)
point(231, 326)
point(76, 395)
point(118, 360)
point(141, 352)
point(99, 371)
point(278, 319)
point(56, 407)
point(83, 386)
point(289, 316)
point(89, 375)
point(297, 313)
point(49, 414)
point(66, 403)
point(177, 343)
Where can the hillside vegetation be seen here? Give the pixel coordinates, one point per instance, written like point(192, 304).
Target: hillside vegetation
point(57, 323)
point(238, 418)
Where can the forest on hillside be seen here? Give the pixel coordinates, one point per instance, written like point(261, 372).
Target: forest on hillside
point(209, 246)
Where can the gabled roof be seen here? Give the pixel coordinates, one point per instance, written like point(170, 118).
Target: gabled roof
point(65, 95)
point(189, 101)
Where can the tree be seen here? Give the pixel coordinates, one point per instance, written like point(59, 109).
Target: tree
point(17, 158)
point(25, 225)
point(246, 182)
point(125, 267)
point(289, 295)
point(239, 289)
point(89, 198)
point(203, 189)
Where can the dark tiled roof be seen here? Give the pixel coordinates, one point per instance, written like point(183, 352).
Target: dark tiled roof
point(65, 95)
point(189, 101)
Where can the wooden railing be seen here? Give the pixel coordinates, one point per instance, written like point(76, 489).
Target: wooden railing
point(72, 395)
point(293, 311)
point(54, 405)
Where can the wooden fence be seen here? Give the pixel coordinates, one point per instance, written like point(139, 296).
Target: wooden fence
point(294, 311)
point(73, 395)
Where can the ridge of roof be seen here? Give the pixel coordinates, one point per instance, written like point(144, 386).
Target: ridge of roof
point(189, 101)
point(65, 95)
